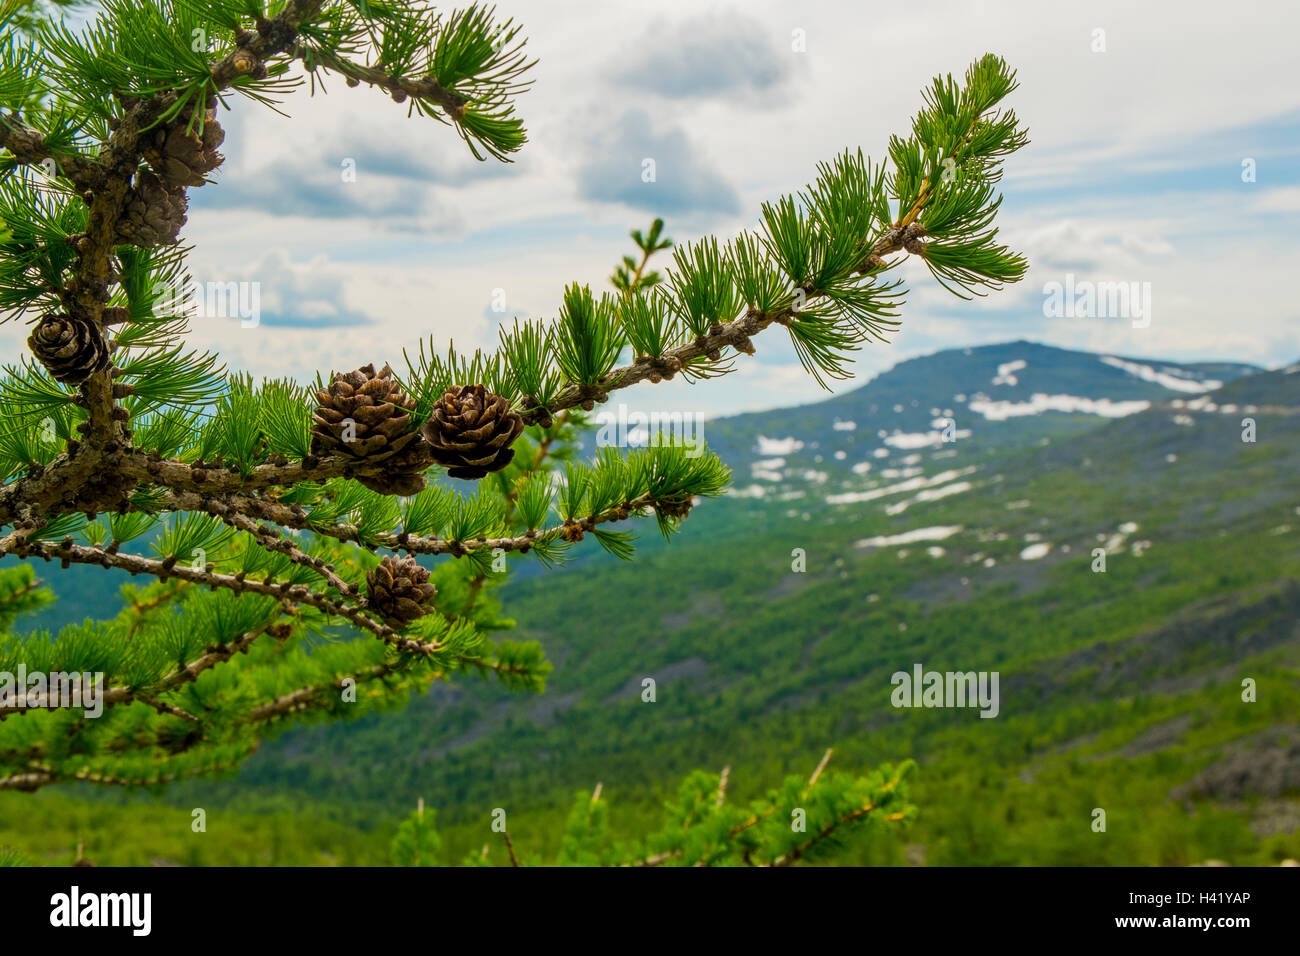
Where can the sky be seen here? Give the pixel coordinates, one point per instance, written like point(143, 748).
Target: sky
point(1165, 151)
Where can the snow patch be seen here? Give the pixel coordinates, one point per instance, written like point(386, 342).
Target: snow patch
point(1006, 372)
point(934, 494)
point(1173, 382)
point(778, 446)
point(1039, 403)
point(928, 439)
point(913, 484)
point(936, 533)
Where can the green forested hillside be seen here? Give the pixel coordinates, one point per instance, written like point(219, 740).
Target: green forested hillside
point(1119, 690)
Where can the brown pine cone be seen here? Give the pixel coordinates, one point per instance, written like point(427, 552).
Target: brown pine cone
point(154, 212)
point(677, 508)
point(71, 349)
point(367, 417)
point(187, 157)
point(181, 154)
point(399, 590)
point(912, 239)
point(471, 430)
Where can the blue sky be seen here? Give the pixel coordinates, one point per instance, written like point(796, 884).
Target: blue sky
point(1134, 174)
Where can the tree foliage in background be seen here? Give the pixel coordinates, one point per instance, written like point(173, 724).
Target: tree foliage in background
point(801, 821)
point(273, 525)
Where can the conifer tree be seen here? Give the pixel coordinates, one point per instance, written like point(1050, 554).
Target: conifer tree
point(801, 821)
point(320, 551)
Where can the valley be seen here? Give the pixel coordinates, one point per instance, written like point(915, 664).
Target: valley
point(1094, 530)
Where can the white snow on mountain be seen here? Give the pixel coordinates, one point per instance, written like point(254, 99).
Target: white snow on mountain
point(934, 494)
point(912, 484)
point(1006, 372)
point(1171, 381)
point(921, 439)
point(936, 533)
point(1039, 403)
point(773, 447)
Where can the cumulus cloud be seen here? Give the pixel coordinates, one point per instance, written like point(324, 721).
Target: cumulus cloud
point(291, 188)
point(719, 53)
point(302, 294)
point(352, 172)
point(683, 180)
point(432, 157)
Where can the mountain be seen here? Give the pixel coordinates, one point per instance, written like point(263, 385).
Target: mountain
point(1120, 557)
point(996, 396)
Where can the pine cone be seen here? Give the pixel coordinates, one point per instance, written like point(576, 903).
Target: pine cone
point(180, 154)
point(154, 212)
point(398, 590)
point(471, 431)
point(70, 349)
point(675, 507)
point(188, 157)
point(367, 417)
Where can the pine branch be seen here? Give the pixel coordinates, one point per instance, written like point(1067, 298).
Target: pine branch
point(123, 694)
point(29, 147)
point(169, 568)
point(164, 442)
